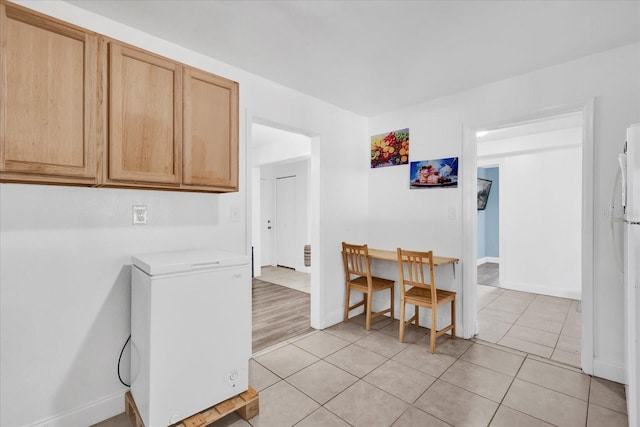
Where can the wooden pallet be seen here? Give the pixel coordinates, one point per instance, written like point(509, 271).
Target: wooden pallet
point(246, 404)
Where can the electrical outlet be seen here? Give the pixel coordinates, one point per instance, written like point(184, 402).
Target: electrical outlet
point(139, 215)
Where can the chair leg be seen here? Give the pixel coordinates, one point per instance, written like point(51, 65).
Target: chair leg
point(393, 303)
point(453, 318)
point(368, 308)
point(432, 336)
point(417, 314)
point(402, 321)
point(346, 305)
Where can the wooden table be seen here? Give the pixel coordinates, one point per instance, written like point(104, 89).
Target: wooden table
point(393, 256)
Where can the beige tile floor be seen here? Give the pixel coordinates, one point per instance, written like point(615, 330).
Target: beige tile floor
point(286, 277)
point(346, 376)
point(537, 324)
point(542, 325)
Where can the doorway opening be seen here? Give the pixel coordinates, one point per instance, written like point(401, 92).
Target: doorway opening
point(529, 275)
point(281, 232)
point(530, 283)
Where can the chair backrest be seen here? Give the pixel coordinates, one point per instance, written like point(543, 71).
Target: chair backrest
point(415, 263)
point(356, 261)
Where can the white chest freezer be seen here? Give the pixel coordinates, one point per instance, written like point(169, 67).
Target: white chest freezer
point(190, 332)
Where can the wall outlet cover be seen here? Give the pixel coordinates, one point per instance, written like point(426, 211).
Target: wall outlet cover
point(139, 215)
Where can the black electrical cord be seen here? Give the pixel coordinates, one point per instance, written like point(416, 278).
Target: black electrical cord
point(120, 358)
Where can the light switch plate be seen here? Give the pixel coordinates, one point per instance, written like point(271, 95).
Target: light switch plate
point(139, 215)
point(235, 214)
point(452, 214)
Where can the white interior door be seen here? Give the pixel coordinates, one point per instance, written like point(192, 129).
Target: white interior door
point(286, 221)
point(266, 222)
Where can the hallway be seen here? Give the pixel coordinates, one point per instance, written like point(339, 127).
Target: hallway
point(543, 325)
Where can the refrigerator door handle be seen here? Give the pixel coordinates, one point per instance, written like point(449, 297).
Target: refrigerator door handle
point(622, 161)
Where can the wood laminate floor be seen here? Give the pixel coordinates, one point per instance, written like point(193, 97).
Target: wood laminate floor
point(279, 313)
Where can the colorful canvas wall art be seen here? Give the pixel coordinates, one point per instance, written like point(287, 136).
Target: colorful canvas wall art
point(390, 149)
point(436, 173)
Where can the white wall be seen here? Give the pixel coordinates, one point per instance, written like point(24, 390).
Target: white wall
point(419, 218)
point(277, 146)
point(416, 219)
point(65, 252)
point(540, 223)
point(540, 211)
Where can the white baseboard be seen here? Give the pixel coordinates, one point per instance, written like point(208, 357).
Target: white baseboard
point(487, 259)
point(88, 414)
point(543, 290)
point(303, 269)
point(609, 370)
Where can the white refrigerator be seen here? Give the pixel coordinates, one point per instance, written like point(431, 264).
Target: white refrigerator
point(630, 173)
point(190, 332)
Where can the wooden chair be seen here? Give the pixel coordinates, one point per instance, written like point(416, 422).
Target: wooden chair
point(357, 268)
point(416, 291)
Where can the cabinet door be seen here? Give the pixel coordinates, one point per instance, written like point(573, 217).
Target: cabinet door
point(210, 145)
point(49, 99)
point(145, 100)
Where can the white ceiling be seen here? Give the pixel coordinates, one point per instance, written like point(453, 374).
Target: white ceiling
point(370, 57)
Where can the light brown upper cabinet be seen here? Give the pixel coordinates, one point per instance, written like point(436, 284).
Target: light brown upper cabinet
point(145, 117)
point(210, 144)
point(170, 125)
point(78, 108)
point(49, 99)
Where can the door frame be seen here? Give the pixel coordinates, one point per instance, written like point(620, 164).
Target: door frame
point(470, 225)
point(316, 293)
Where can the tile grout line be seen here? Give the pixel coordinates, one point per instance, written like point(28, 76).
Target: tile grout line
point(454, 385)
point(553, 349)
point(431, 385)
point(561, 329)
point(586, 421)
point(358, 379)
point(519, 316)
point(507, 391)
point(588, 401)
point(411, 404)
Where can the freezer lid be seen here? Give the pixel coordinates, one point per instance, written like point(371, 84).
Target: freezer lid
point(189, 260)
